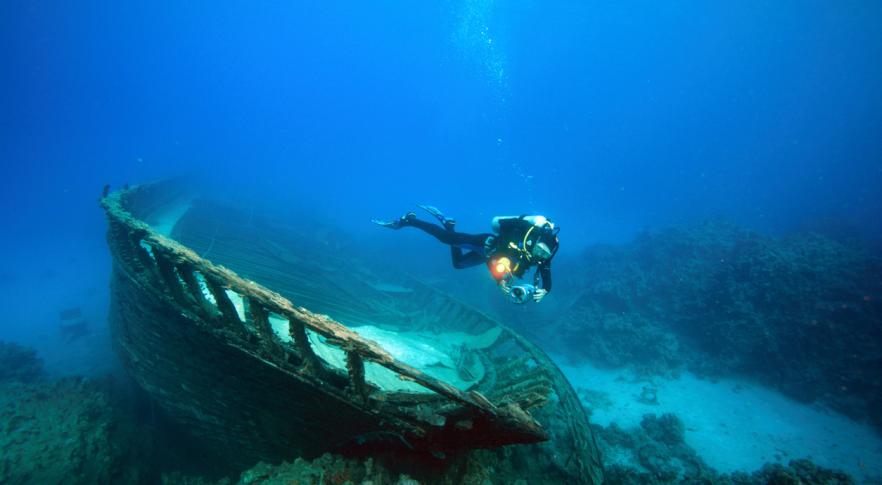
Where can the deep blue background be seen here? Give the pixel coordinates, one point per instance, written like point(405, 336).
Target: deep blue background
point(608, 117)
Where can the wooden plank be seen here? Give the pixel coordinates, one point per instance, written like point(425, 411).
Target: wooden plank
point(171, 281)
point(533, 400)
point(355, 366)
point(259, 318)
point(188, 274)
point(311, 362)
point(227, 311)
point(143, 262)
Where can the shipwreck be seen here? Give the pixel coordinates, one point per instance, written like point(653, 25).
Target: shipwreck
point(268, 354)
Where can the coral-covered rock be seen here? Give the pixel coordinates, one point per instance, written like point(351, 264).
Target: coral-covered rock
point(19, 364)
point(332, 470)
point(666, 429)
point(802, 314)
point(656, 453)
point(797, 472)
point(67, 431)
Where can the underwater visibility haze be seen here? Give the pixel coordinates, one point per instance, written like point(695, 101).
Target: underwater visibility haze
point(194, 290)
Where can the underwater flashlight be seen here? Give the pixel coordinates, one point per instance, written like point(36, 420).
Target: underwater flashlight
point(501, 267)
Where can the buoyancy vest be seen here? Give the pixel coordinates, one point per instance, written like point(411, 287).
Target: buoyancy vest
point(511, 253)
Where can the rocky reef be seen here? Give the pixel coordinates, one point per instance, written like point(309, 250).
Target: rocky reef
point(653, 452)
point(802, 314)
point(19, 364)
point(656, 453)
point(70, 430)
point(327, 469)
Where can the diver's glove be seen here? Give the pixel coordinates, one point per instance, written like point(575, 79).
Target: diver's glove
point(539, 294)
point(396, 224)
point(505, 285)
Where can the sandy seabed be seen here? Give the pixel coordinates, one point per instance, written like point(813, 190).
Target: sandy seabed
point(735, 425)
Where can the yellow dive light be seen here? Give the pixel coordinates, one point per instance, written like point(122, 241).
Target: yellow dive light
point(501, 267)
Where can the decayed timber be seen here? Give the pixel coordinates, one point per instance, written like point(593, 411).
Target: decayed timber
point(157, 271)
point(231, 378)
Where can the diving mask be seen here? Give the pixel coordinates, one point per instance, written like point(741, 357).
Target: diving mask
point(541, 251)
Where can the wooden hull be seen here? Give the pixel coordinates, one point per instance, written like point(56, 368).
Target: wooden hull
point(222, 394)
point(249, 392)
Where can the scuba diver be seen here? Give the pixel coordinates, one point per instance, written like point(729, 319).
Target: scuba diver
point(516, 244)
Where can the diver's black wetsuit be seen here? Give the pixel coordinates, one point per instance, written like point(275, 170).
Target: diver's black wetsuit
point(511, 231)
point(475, 244)
point(482, 247)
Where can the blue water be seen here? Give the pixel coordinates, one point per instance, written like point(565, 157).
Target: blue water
point(607, 117)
